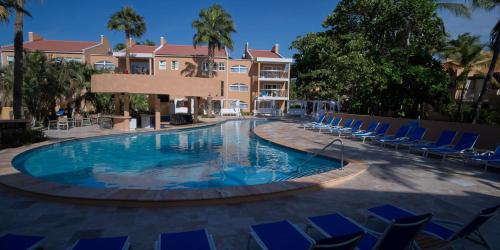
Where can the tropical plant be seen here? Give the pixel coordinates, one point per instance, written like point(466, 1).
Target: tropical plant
point(119, 47)
point(370, 50)
point(127, 20)
point(466, 51)
point(213, 28)
point(459, 9)
point(8, 6)
point(6, 80)
point(495, 47)
point(17, 104)
point(139, 102)
point(147, 42)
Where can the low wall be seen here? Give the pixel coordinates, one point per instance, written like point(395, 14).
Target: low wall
point(489, 135)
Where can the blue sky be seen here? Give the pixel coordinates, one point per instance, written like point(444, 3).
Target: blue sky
point(261, 23)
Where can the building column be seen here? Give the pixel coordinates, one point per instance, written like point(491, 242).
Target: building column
point(150, 66)
point(126, 105)
point(195, 114)
point(157, 113)
point(117, 104)
point(190, 110)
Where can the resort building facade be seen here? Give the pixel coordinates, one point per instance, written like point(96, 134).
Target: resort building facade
point(176, 76)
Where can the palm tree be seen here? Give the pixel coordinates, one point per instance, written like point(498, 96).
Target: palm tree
point(148, 43)
point(495, 47)
point(465, 51)
point(7, 6)
point(17, 104)
point(128, 21)
point(119, 47)
point(213, 28)
point(456, 8)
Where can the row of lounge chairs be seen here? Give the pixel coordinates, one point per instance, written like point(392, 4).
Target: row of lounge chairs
point(409, 136)
point(402, 231)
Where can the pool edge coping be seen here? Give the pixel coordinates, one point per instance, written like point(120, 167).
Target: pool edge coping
point(18, 182)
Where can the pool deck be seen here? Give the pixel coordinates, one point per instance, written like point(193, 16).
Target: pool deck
point(448, 189)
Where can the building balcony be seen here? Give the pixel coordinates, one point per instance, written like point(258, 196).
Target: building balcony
point(273, 75)
point(273, 94)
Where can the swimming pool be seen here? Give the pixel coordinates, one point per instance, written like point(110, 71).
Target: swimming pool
point(223, 155)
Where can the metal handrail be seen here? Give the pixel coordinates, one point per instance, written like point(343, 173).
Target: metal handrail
point(323, 149)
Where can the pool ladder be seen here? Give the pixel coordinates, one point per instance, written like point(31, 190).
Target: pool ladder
point(322, 150)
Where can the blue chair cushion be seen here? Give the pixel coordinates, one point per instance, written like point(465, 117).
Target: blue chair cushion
point(368, 242)
point(19, 242)
point(281, 235)
point(335, 225)
point(193, 240)
point(111, 243)
point(390, 212)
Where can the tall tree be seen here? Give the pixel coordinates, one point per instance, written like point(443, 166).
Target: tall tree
point(495, 47)
point(459, 9)
point(18, 62)
point(465, 51)
point(127, 20)
point(8, 6)
point(147, 42)
point(214, 28)
point(119, 47)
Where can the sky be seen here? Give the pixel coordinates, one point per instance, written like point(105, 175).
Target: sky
point(261, 23)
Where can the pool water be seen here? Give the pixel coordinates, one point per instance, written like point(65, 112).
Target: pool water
point(228, 154)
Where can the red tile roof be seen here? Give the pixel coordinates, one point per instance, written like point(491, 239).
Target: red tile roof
point(141, 49)
point(55, 45)
point(263, 53)
point(188, 50)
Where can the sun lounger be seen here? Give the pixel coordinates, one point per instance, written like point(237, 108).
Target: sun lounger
point(327, 124)
point(445, 139)
point(490, 158)
point(347, 124)
point(398, 235)
point(465, 144)
point(381, 130)
point(318, 121)
point(285, 235)
point(400, 135)
point(347, 131)
point(371, 129)
point(20, 242)
point(191, 240)
point(387, 213)
point(110, 243)
point(415, 137)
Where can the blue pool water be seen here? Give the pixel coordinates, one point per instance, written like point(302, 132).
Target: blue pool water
point(218, 156)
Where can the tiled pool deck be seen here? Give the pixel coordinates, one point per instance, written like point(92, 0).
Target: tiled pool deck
point(449, 190)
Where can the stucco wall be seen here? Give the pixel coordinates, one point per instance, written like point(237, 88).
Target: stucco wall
point(489, 135)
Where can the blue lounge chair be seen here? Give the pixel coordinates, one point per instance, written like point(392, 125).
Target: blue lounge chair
point(110, 243)
point(285, 235)
point(318, 121)
point(280, 235)
point(346, 125)
point(464, 145)
point(347, 131)
point(20, 242)
point(399, 235)
point(327, 124)
point(371, 129)
point(490, 158)
point(381, 130)
point(415, 137)
point(445, 139)
point(400, 135)
point(335, 123)
point(434, 228)
point(192, 240)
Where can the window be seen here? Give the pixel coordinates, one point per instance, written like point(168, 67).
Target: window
point(218, 66)
point(272, 86)
point(10, 60)
point(242, 105)
point(221, 88)
point(238, 87)
point(72, 59)
point(104, 65)
point(240, 69)
point(162, 65)
point(221, 66)
point(174, 65)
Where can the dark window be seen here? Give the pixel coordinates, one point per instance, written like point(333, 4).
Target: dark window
point(221, 88)
point(163, 98)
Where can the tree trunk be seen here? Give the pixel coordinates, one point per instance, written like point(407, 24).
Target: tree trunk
point(489, 76)
point(18, 64)
point(127, 52)
point(211, 52)
point(459, 115)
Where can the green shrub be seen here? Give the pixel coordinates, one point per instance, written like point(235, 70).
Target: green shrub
point(247, 113)
point(208, 116)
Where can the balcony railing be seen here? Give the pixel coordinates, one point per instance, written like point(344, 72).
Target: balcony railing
point(274, 74)
point(273, 93)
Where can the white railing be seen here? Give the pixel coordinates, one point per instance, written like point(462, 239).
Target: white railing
point(274, 74)
point(273, 93)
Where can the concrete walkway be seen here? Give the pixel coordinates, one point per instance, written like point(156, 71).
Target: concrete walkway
point(449, 190)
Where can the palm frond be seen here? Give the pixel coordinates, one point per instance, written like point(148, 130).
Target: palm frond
point(458, 9)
